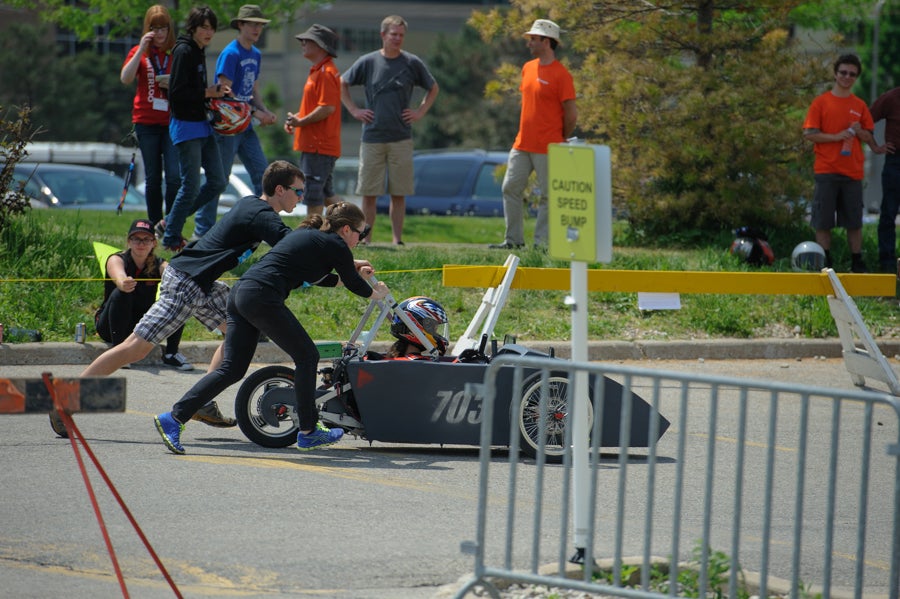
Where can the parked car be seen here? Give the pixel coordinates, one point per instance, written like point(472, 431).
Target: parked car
point(240, 171)
point(464, 182)
point(346, 170)
point(344, 177)
point(235, 190)
point(57, 185)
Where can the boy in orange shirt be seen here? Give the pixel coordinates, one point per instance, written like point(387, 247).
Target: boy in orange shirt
point(834, 122)
point(548, 116)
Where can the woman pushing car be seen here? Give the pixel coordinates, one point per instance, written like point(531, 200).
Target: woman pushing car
point(316, 253)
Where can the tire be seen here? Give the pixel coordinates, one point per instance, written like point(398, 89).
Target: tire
point(557, 410)
point(266, 390)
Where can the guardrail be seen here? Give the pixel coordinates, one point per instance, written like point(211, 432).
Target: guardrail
point(798, 484)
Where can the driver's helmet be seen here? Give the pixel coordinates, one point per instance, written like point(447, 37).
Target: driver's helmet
point(229, 116)
point(808, 255)
point(429, 316)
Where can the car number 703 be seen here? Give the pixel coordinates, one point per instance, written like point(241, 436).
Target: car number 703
point(454, 407)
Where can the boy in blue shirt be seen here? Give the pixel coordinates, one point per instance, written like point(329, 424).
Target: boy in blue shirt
point(238, 68)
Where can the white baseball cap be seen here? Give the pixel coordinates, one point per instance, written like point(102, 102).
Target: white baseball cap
point(544, 28)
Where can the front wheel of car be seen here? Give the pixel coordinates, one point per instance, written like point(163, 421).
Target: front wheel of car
point(555, 419)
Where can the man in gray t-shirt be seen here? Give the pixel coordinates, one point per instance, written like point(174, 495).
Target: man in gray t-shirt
point(389, 75)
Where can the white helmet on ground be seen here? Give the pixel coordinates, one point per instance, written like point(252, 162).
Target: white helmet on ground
point(808, 256)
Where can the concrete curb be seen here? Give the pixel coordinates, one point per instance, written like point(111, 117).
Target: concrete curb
point(200, 352)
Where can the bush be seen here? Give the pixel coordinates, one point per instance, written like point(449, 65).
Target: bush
point(14, 134)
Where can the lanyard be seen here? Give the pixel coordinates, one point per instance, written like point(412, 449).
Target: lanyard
point(154, 61)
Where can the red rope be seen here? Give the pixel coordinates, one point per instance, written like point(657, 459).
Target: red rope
point(71, 428)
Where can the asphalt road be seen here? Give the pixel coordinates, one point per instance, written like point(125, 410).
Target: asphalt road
point(234, 519)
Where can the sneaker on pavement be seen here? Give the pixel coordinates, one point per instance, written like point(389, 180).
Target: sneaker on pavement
point(211, 415)
point(177, 361)
point(320, 437)
point(170, 431)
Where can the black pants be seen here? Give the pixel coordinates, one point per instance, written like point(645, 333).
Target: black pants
point(254, 308)
point(121, 312)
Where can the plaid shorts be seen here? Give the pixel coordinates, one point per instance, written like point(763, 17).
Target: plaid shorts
point(179, 299)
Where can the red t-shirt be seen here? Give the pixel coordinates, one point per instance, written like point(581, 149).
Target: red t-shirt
point(151, 106)
point(322, 88)
point(831, 114)
point(544, 89)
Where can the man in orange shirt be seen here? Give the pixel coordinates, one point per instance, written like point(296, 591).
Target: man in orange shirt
point(317, 125)
point(548, 116)
point(834, 122)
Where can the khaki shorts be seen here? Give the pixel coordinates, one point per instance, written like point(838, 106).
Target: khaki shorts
point(393, 159)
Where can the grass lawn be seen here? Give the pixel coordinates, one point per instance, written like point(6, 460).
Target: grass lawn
point(49, 281)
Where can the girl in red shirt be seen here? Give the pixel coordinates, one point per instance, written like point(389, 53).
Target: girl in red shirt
point(150, 62)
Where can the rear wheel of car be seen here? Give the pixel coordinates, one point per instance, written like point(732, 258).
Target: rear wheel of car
point(265, 407)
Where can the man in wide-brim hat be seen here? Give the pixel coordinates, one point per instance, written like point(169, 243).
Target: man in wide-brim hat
point(249, 13)
point(548, 115)
point(324, 37)
point(317, 125)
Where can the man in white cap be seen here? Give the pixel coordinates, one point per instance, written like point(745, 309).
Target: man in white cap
point(316, 127)
point(548, 116)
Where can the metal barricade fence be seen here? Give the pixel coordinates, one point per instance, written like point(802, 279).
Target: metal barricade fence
point(798, 484)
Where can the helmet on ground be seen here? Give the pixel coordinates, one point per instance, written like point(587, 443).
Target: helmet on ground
point(430, 318)
point(808, 255)
point(229, 116)
point(753, 251)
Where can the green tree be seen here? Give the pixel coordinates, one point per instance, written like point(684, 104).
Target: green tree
point(700, 101)
point(72, 97)
point(123, 17)
point(853, 23)
point(463, 117)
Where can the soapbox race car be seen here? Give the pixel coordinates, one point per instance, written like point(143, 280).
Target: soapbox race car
point(424, 401)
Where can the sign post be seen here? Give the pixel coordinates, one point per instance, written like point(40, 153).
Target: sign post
point(580, 227)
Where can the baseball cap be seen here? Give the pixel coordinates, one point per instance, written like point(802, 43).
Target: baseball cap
point(140, 226)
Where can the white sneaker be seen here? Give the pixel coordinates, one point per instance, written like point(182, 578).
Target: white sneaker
point(177, 361)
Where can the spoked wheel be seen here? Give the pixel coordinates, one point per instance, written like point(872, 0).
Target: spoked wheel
point(265, 407)
point(558, 389)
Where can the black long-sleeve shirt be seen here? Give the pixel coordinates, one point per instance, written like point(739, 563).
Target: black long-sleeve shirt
point(308, 256)
point(231, 240)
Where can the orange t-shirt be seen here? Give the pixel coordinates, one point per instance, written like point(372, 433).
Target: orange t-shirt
point(322, 88)
point(831, 114)
point(544, 89)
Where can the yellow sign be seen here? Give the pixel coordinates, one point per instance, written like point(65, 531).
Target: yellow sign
point(580, 202)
